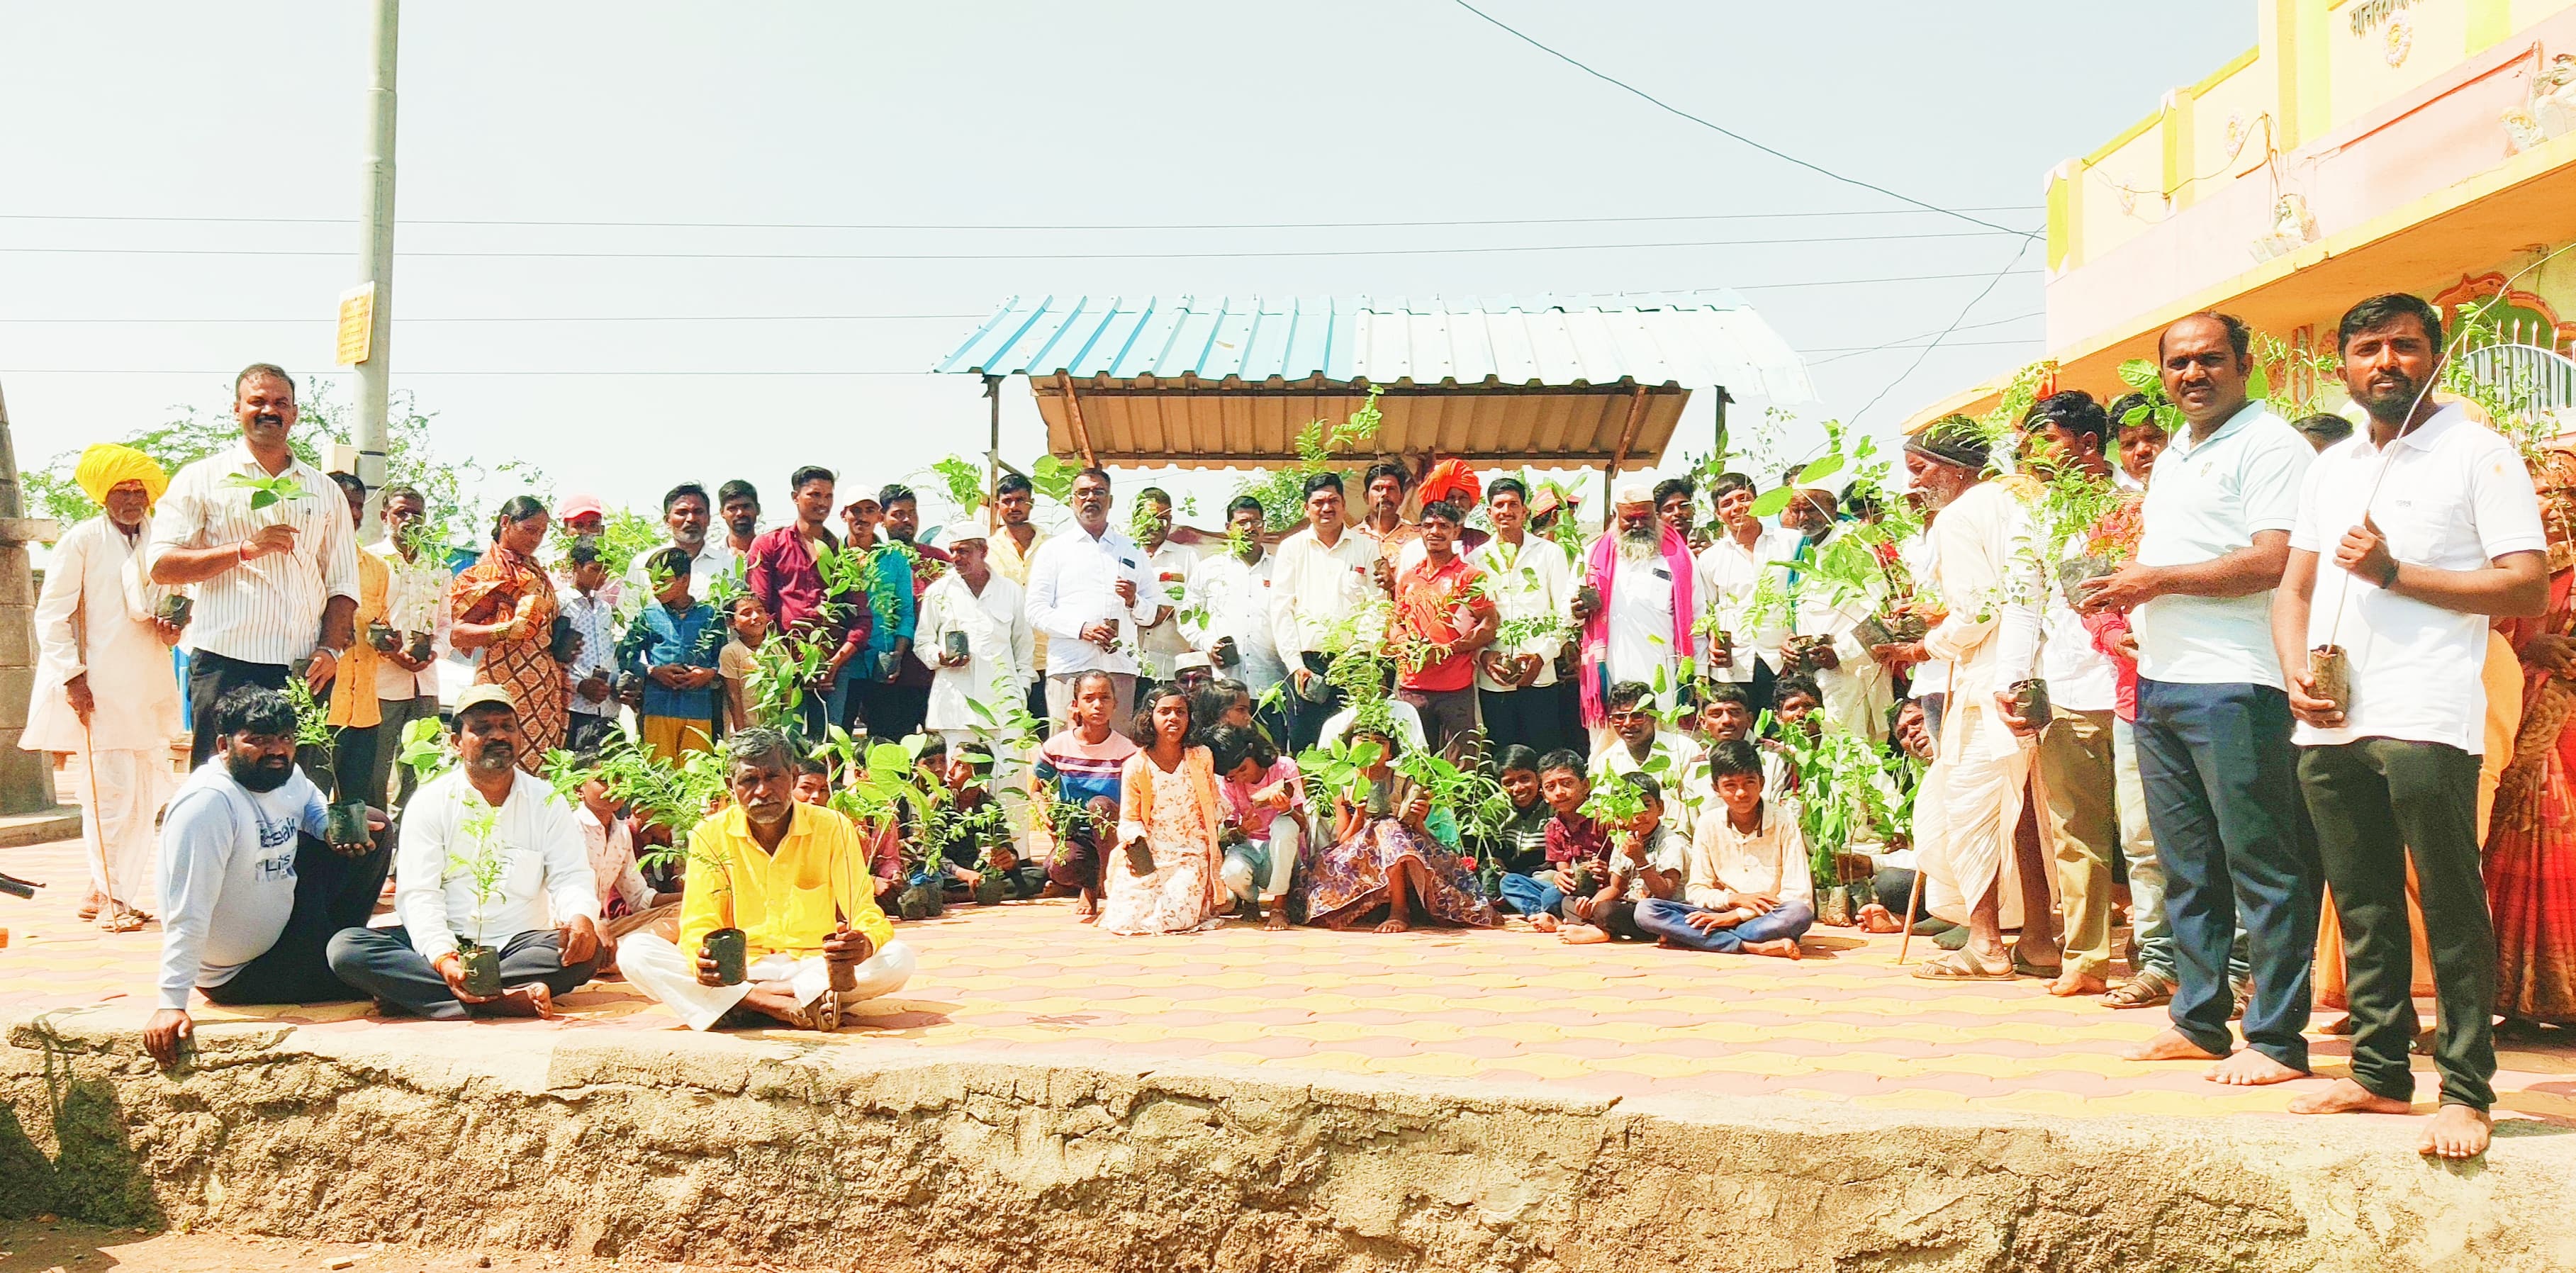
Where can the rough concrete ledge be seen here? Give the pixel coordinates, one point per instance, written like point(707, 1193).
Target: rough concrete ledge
point(771, 1149)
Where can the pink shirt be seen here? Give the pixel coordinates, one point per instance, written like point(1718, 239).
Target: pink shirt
point(1255, 819)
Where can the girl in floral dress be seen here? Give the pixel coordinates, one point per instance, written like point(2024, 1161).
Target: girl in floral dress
point(1399, 862)
point(1169, 805)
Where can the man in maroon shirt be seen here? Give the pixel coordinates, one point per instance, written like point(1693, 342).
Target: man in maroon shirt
point(784, 570)
point(1442, 617)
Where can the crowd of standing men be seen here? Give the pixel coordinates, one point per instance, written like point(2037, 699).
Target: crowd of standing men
point(2184, 730)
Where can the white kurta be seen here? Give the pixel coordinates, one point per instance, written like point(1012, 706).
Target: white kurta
point(1965, 815)
point(1001, 650)
point(1856, 690)
point(95, 617)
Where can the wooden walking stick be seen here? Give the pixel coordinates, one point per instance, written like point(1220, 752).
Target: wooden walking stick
point(97, 836)
point(1913, 901)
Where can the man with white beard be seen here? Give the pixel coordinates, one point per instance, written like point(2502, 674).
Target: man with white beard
point(1970, 803)
point(1641, 595)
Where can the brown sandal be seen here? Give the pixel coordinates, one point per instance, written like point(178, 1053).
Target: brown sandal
point(1959, 965)
point(2145, 990)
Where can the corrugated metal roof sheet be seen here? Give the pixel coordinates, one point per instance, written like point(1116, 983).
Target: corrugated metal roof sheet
point(1224, 382)
point(1681, 338)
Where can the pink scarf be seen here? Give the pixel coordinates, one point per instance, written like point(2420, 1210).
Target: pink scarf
point(1599, 571)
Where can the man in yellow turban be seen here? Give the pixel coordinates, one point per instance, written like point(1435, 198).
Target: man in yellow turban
point(104, 686)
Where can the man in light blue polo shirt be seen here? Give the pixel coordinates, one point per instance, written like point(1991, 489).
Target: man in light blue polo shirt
point(2214, 721)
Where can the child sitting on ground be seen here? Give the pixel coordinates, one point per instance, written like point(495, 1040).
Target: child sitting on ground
point(1749, 889)
point(978, 833)
point(626, 900)
point(1578, 851)
point(1519, 846)
point(1649, 862)
point(1266, 826)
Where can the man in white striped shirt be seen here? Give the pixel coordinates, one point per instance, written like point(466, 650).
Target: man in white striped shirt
point(274, 584)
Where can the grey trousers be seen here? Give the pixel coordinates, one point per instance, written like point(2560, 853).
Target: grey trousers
point(382, 963)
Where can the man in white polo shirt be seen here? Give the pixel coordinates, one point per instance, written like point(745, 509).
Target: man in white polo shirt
point(2213, 725)
point(2409, 539)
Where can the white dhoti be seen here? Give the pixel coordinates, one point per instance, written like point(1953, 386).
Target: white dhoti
point(1966, 812)
point(117, 824)
point(653, 964)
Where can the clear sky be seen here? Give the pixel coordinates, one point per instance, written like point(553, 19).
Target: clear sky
point(206, 157)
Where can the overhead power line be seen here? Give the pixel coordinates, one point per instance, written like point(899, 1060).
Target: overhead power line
point(1964, 310)
point(1722, 130)
point(931, 226)
point(1012, 256)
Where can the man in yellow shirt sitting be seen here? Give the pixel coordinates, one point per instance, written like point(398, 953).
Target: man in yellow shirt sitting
point(790, 881)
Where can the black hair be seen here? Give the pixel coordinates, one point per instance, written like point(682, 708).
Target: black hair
point(1799, 683)
point(1327, 479)
point(1502, 484)
point(1673, 486)
point(259, 371)
point(1154, 494)
point(893, 493)
point(809, 473)
point(400, 490)
point(1242, 502)
point(254, 709)
point(1387, 468)
point(2124, 404)
point(1726, 482)
point(674, 559)
point(1075, 690)
point(1724, 692)
point(1563, 758)
point(517, 508)
point(349, 484)
point(1095, 471)
point(1142, 728)
point(2074, 411)
point(1013, 484)
point(1738, 758)
point(932, 745)
point(683, 491)
point(584, 554)
point(1228, 745)
point(1648, 786)
point(2324, 428)
point(1515, 756)
point(1627, 694)
point(1445, 511)
point(813, 765)
point(725, 493)
point(2380, 311)
point(2240, 338)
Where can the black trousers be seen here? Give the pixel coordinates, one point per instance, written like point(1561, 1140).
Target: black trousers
point(332, 892)
point(210, 677)
point(2375, 802)
point(382, 963)
point(1306, 720)
point(1533, 718)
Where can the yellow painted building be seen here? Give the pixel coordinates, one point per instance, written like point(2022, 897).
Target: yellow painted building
point(2362, 146)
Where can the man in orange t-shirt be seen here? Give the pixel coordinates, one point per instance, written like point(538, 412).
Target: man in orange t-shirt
point(1442, 617)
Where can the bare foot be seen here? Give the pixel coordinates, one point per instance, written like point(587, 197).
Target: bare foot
point(2249, 1068)
point(1875, 918)
point(1777, 948)
point(1277, 918)
point(530, 1000)
point(2457, 1132)
point(2170, 1045)
point(2343, 1096)
point(1582, 935)
point(1090, 917)
point(1393, 925)
point(2071, 983)
point(1667, 943)
point(1543, 922)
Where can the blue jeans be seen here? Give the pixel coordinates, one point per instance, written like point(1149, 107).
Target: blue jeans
point(2232, 832)
point(2147, 871)
point(1670, 920)
point(1530, 897)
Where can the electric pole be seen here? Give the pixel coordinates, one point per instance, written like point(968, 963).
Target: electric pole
point(375, 370)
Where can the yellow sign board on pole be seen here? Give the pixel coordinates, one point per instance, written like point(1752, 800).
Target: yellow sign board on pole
point(357, 323)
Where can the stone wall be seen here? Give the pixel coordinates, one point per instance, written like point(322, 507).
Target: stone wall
point(840, 1154)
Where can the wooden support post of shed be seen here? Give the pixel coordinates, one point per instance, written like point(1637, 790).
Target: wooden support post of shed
point(1619, 455)
point(1073, 416)
point(993, 456)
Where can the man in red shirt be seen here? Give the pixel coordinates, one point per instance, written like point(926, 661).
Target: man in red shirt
point(1442, 617)
point(784, 570)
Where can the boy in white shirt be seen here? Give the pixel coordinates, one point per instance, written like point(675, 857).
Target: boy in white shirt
point(1750, 890)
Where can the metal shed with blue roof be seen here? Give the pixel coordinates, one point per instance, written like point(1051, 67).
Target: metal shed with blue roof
point(1550, 381)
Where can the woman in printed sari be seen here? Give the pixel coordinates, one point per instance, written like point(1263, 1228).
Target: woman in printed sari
point(2531, 836)
point(1398, 860)
point(505, 607)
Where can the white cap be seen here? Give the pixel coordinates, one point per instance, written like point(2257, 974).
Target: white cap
point(1634, 491)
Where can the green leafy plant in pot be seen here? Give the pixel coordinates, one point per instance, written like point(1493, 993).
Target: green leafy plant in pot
point(482, 864)
point(344, 823)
